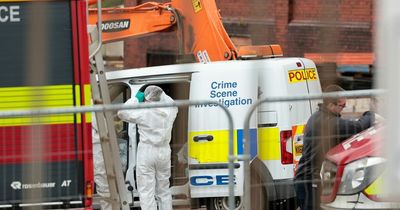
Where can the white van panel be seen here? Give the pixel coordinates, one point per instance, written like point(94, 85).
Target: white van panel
point(214, 183)
point(236, 88)
point(284, 77)
point(314, 86)
point(297, 77)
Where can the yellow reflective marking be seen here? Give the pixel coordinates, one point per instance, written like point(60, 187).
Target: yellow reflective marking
point(269, 144)
point(297, 131)
point(211, 151)
point(22, 98)
point(88, 101)
point(39, 120)
point(78, 101)
point(301, 75)
point(375, 188)
point(196, 5)
point(26, 98)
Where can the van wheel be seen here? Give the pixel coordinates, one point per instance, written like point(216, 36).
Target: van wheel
point(259, 199)
point(222, 203)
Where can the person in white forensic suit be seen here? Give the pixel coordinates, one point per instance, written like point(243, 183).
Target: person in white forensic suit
point(153, 168)
point(100, 175)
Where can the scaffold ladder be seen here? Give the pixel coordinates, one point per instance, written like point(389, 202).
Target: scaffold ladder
point(108, 137)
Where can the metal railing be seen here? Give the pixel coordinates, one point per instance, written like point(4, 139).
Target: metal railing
point(387, 51)
point(115, 107)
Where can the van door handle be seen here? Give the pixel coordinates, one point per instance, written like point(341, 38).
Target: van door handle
point(203, 138)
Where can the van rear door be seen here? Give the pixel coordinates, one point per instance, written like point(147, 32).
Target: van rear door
point(303, 79)
point(313, 82)
point(235, 86)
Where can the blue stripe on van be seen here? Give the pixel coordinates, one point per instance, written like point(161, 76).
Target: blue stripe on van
point(253, 142)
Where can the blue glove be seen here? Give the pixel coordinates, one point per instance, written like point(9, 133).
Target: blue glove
point(140, 96)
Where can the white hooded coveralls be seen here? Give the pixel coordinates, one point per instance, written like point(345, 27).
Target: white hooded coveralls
point(154, 153)
point(100, 177)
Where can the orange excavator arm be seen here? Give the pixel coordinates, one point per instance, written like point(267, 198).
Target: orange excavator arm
point(203, 32)
point(198, 23)
point(142, 20)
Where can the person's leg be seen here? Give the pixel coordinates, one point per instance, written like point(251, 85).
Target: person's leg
point(316, 197)
point(304, 194)
point(309, 196)
point(163, 173)
point(300, 193)
point(100, 177)
point(145, 176)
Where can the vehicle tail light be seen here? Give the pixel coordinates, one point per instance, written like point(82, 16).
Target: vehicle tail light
point(88, 193)
point(286, 147)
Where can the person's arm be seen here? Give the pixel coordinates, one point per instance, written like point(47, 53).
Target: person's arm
point(375, 107)
point(131, 115)
point(348, 128)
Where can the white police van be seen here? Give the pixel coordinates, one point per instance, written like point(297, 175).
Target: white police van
point(276, 130)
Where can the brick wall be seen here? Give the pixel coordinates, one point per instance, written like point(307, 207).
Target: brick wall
point(299, 26)
point(136, 49)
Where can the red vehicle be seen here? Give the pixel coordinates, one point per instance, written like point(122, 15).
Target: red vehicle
point(352, 174)
point(45, 161)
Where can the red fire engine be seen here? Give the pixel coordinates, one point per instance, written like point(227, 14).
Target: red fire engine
point(45, 160)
